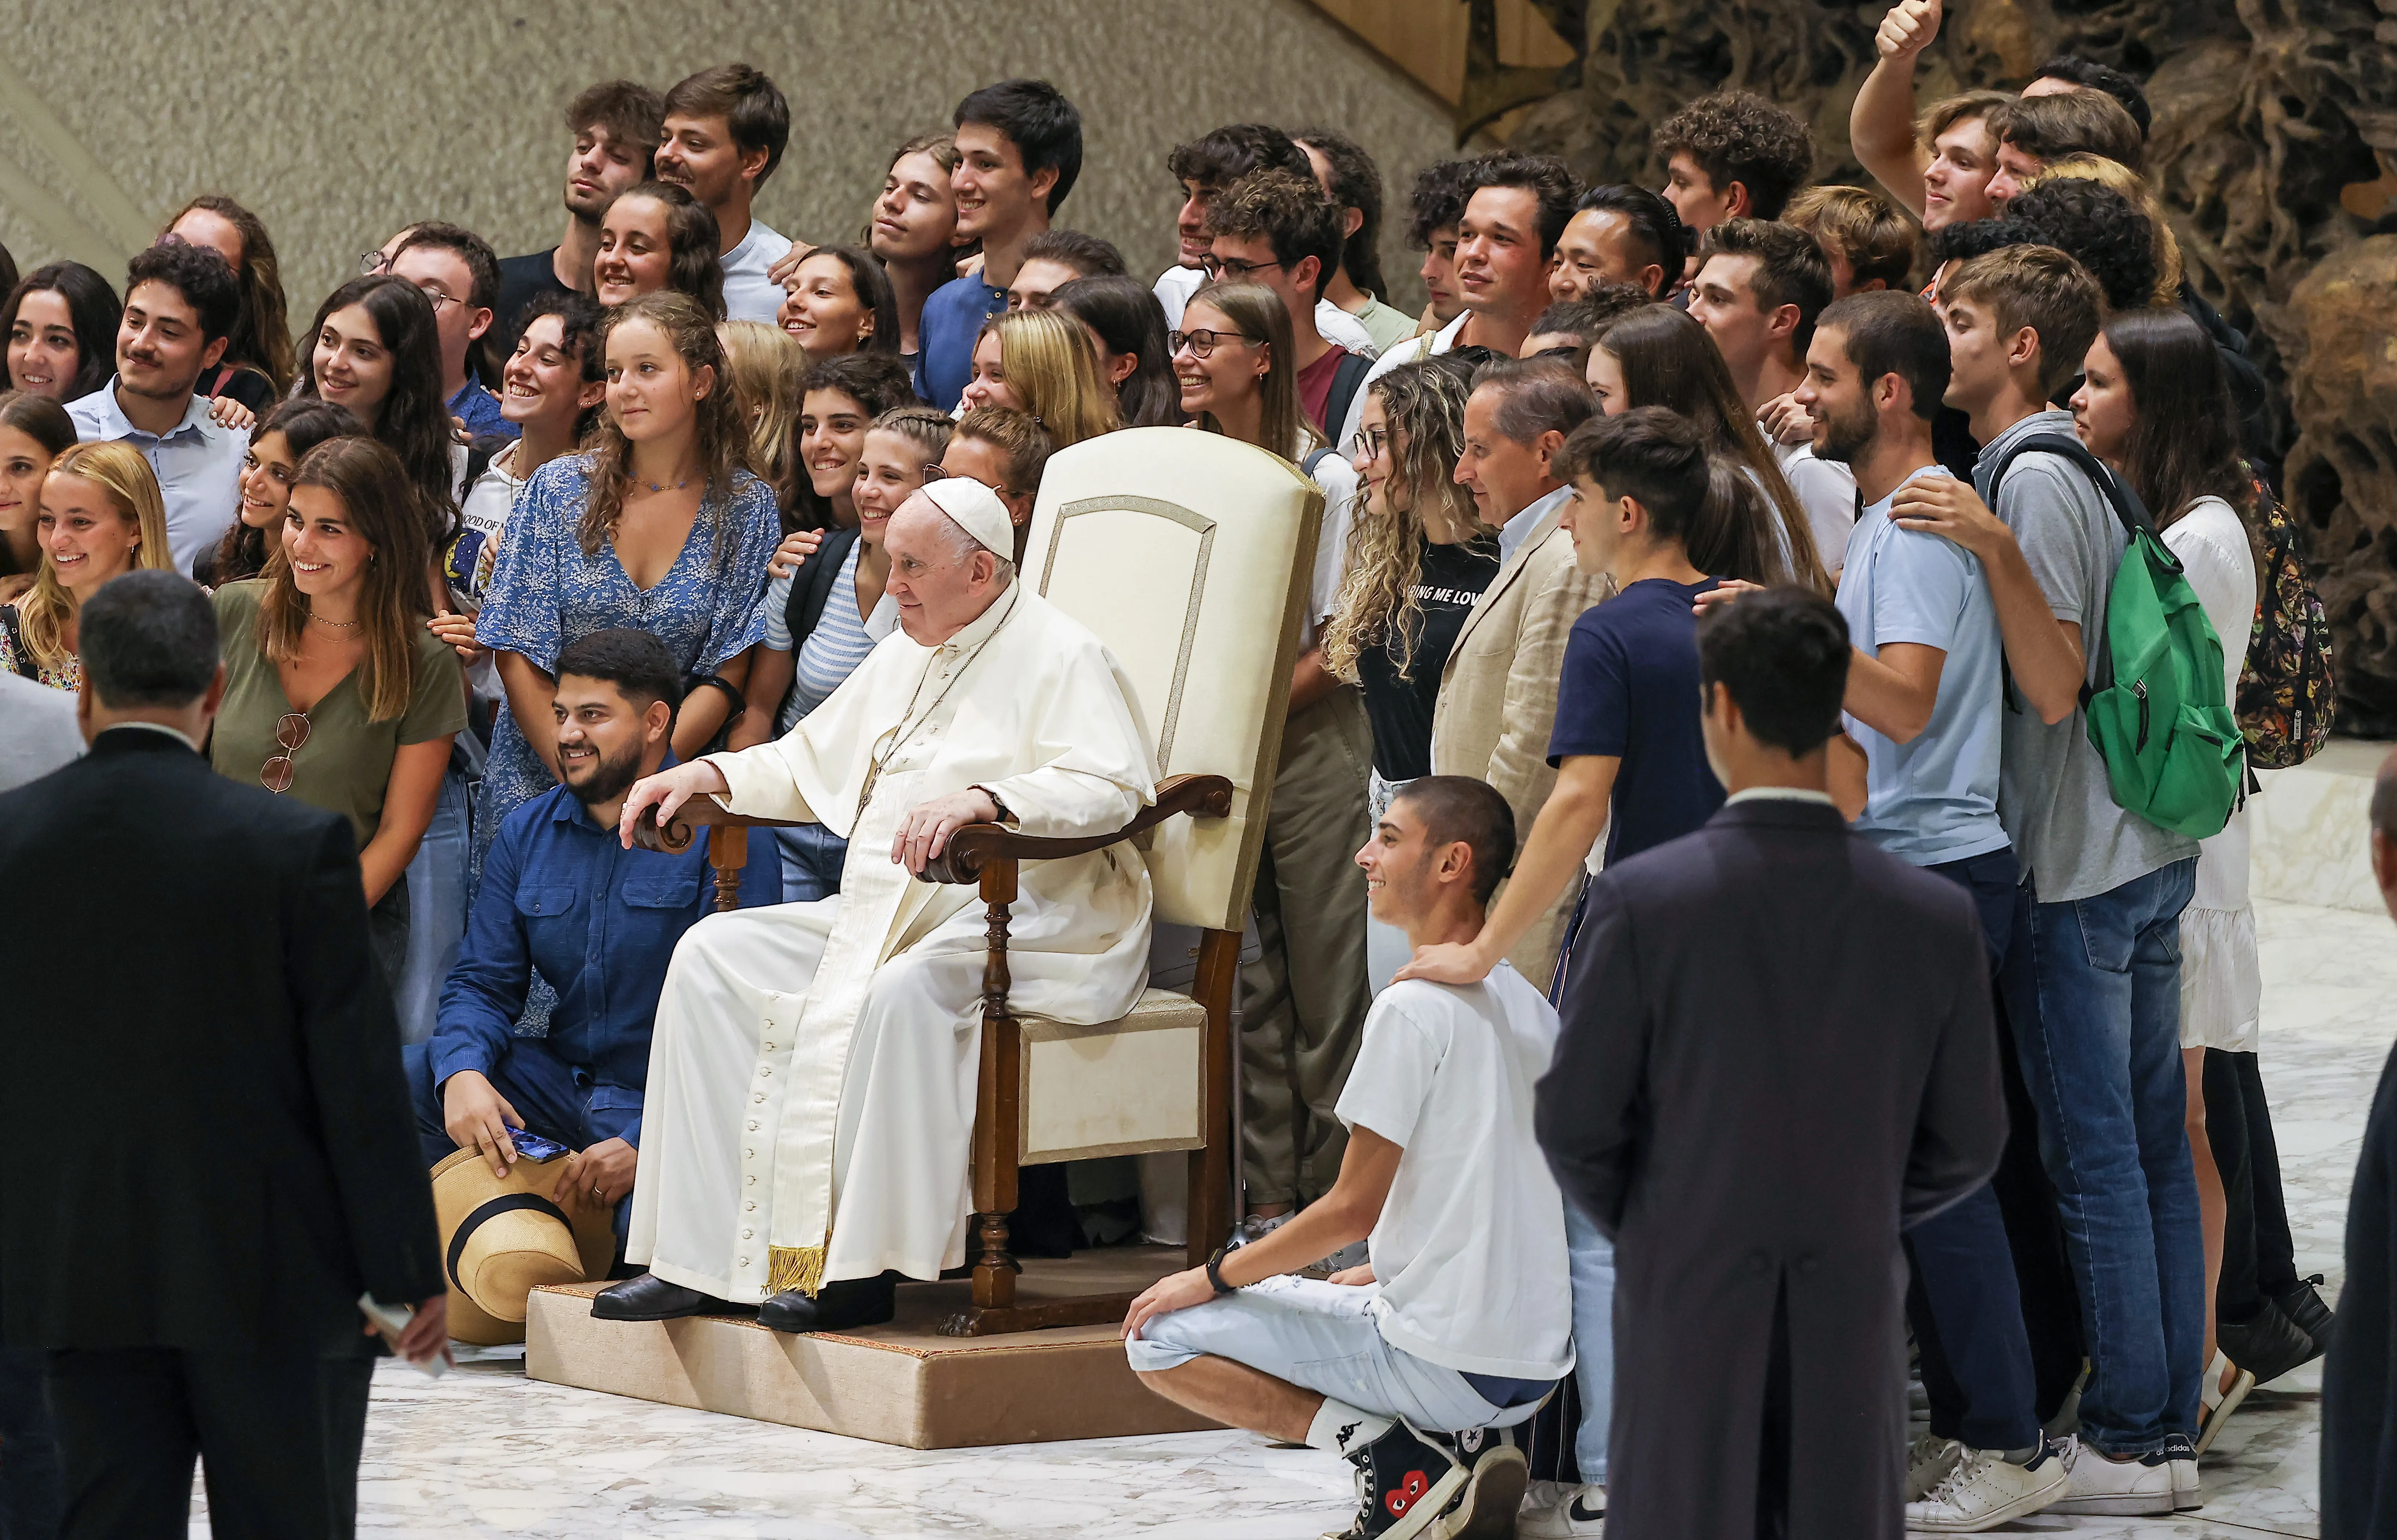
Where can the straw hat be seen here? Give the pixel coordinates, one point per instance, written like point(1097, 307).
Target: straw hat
point(502, 1238)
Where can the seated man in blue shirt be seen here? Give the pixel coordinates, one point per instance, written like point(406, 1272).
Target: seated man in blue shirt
point(562, 894)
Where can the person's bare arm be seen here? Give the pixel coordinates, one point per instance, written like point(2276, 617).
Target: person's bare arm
point(1569, 822)
point(1847, 772)
point(1880, 125)
point(408, 805)
point(1894, 694)
point(703, 711)
point(771, 673)
point(2042, 650)
point(1310, 681)
point(531, 694)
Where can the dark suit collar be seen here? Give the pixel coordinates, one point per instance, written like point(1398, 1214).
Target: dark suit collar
point(1777, 813)
point(134, 738)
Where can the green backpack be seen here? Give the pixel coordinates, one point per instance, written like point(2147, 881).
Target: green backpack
point(2174, 751)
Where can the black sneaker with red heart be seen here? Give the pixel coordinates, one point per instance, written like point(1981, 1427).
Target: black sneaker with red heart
point(1404, 1480)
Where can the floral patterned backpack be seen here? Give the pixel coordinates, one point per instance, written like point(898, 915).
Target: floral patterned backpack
point(2288, 692)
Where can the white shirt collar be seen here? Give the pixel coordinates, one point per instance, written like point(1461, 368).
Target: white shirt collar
point(1780, 794)
point(1516, 530)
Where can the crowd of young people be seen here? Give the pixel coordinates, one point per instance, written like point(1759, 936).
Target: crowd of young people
point(503, 534)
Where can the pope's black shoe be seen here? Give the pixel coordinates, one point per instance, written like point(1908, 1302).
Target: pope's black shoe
point(850, 1302)
point(650, 1297)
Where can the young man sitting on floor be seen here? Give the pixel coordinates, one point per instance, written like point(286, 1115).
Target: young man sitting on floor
point(1463, 1317)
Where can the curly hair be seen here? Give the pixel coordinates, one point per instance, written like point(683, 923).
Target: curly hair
point(721, 441)
point(1425, 404)
point(1290, 212)
point(2099, 228)
point(1967, 239)
point(2123, 179)
point(262, 338)
point(1739, 137)
point(1436, 200)
point(692, 240)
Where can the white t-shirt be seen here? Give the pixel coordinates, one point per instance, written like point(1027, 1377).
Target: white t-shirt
point(1338, 479)
point(1469, 1251)
point(1176, 286)
point(475, 554)
point(1413, 350)
point(749, 294)
point(1827, 491)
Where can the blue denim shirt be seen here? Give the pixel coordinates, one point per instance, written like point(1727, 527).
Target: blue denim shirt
point(952, 319)
point(480, 411)
point(562, 894)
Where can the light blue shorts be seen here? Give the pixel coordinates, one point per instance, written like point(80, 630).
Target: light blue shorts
point(1320, 1337)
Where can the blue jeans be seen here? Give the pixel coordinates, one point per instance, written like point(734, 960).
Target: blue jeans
point(555, 1099)
point(1964, 1302)
point(2101, 1055)
point(811, 862)
point(437, 909)
point(1591, 1258)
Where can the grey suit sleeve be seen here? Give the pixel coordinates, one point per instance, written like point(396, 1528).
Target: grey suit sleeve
point(350, 1038)
point(1960, 1131)
point(1588, 1109)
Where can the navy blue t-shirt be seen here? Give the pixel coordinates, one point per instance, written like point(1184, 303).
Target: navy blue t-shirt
point(1630, 688)
point(944, 337)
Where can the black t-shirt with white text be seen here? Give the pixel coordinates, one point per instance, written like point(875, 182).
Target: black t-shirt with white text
point(1451, 578)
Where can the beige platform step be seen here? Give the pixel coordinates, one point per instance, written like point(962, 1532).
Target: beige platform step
point(901, 1384)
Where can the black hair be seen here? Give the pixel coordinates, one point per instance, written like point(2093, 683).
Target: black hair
point(581, 321)
point(1782, 655)
point(148, 638)
point(1356, 184)
point(877, 382)
point(2099, 228)
point(1436, 200)
point(1545, 177)
point(872, 286)
point(1126, 315)
point(200, 274)
point(482, 263)
point(1224, 156)
point(1459, 810)
point(1089, 256)
point(1036, 117)
point(2094, 77)
point(1652, 455)
point(1290, 212)
point(1586, 319)
point(305, 422)
point(635, 661)
point(1890, 331)
point(414, 419)
point(1967, 239)
point(694, 264)
point(1790, 269)
point(1654, 229)
point(752, 107)
point(92, 310)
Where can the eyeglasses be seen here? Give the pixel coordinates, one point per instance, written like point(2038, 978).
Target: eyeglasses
point(1217, 267)
point(290, 734)
point(437, 298)
point(1203, 343)
point(371, 263)
point(935, 473)
point(1369, 442)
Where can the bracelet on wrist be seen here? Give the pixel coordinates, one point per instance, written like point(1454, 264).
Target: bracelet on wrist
point(1215, 1271)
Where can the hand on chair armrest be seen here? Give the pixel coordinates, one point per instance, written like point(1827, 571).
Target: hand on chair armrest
point(971, 848)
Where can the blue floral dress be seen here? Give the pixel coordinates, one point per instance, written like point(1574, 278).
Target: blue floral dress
point(546, 593)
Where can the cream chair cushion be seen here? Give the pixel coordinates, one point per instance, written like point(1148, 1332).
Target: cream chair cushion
point(1189, 556)
point(1128, 1086)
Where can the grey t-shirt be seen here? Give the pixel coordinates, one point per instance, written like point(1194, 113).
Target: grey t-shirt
point(2073, 838)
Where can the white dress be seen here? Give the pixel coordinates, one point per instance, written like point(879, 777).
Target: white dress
point(2221, 986)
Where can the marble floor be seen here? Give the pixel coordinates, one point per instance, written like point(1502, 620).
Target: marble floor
point(487, 1452)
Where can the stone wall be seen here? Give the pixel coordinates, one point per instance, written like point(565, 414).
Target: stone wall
point(2274, 144)
point(339, 121)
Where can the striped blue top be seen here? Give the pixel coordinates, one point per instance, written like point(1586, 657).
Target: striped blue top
point(832, 651)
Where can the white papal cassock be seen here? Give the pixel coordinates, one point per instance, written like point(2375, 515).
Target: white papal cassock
point(811, 1080)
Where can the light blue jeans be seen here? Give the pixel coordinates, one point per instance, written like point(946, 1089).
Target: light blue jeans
point(1591, 1258)
point(813, 856)
point(436, 908)
point(1320, 1337)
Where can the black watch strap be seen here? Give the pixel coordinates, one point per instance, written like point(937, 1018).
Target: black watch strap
point(1215, 1271)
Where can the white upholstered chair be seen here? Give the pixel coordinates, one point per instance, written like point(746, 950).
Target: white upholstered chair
point(1190, 556)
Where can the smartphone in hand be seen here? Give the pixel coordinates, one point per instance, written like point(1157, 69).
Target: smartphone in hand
point(390, 1321)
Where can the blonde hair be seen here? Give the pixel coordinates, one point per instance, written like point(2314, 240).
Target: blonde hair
point(117, 468)
point(1258, 314)
point(2134, 187)
point(1054, 369)
point(765, 365)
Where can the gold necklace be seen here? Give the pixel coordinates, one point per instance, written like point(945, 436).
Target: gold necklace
point(901, 731)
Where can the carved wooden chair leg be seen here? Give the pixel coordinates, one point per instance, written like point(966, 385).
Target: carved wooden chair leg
point(996, 1114)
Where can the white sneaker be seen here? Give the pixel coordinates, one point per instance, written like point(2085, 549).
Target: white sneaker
point(1561, 1511)
point(2129, 1488)
point(2179, 1456)
point(1984, 1491)
point(1928, 1460)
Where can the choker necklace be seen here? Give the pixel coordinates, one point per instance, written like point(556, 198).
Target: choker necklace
point(336, 625)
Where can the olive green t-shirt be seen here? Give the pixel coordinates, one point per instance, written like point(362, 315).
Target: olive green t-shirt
point(345, 765)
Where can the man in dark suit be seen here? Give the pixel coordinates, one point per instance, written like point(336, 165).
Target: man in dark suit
point(210, 1147)
point(1776, 1052)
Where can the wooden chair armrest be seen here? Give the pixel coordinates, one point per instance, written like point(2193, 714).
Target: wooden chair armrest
point(675, 835)
point(977, 845)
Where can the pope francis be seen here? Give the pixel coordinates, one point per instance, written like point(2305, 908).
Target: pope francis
point(811, 1080)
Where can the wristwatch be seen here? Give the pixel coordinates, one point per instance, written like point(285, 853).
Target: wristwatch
point(1006, 815)
point(1215, 1271)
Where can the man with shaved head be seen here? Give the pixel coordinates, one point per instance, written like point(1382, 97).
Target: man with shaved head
point(811, 1079)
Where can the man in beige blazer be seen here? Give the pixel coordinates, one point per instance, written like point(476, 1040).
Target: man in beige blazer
point(1498, 690)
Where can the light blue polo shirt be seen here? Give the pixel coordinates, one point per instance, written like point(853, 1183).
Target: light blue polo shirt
point(1933, 799)
point(198, 466)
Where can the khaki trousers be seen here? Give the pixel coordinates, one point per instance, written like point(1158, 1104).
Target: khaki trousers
point(1302, 1001)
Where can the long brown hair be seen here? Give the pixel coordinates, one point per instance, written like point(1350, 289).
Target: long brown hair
point(381, 504)
point(1258, 314)
point(2184, 441)
point(118, 469)
point(305, 422)
point(1669, 361)
point(261, 339)
point(720, 438)
point(1425, 404)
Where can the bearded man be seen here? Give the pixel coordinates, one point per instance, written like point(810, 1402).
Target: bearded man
point(813, 1076)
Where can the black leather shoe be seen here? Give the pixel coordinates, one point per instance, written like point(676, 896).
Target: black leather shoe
point(851, 1302)
point(2268, 1347)
point(650, 1297)
point(2304, 1305)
